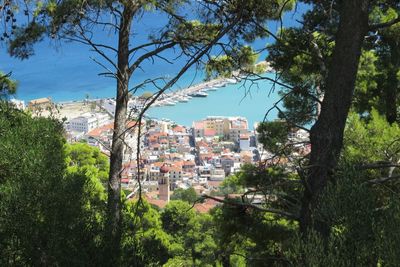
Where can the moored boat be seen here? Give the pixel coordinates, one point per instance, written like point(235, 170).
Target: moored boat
point(200, 94)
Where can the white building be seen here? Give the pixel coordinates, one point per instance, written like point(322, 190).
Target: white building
point(244, 143)
point(19, 104)
point(87, 122)
point(217, 174)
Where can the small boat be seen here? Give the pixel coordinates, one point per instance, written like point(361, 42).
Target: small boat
point(200, 94)
point(218, 85)
point(230, 80)
point(169, 102)
point(212, 89)
point(184, 99)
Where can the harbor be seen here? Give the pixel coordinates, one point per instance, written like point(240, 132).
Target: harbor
point(199, 90)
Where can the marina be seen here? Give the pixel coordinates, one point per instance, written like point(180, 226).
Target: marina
point(199, 90)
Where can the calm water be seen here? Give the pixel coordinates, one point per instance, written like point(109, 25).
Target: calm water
point(240, 99)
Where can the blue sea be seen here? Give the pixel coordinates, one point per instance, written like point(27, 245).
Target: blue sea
point(68, 71)
point(244, 99)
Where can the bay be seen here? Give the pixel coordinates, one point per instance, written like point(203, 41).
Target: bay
point(245, 99)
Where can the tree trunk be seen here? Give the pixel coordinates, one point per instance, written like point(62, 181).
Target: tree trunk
point(327, 133)
point(114, 222)
point(390, 95)
point(392, 86)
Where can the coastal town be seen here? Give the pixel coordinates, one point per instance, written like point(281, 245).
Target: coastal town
point(160, 155)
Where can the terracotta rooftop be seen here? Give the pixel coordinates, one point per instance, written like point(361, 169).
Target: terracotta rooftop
point(209, 132)
point(175, 169)
point(202, 143)
point(110, 126)
point(206, 206)
point(98, 131)
point(157, 202)
point(179, 129)
point(158, 164)
point(188, 163)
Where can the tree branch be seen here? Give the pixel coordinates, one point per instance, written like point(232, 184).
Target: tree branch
point(150, 54)
point(378, 165)
point(378, 26)
point(382, 179)
point(249, 205)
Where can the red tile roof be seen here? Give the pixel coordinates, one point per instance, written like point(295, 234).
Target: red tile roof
point(157, 202)
point(179, 129)
point(206, 206)
point(98, 131)
point(125, 180)
point(189, 163)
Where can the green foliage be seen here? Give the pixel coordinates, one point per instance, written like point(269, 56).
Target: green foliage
point(273, 135)
point(7, 86)
point(362, 206)
point(21, 46)
point(48, 216)
point(189, 32)
point(260, 68)
point(81, 156)
point(232, 185)
point(258, 11)
point(374, 140)
point(144, 242)
point(251, 238)
point(219, 66)
point(176, 217)
point(177, 262)
point(243, 59)
point(189, 195)
point(193, 242)
point(302, 59)
point(366, 89)
point(362, 218)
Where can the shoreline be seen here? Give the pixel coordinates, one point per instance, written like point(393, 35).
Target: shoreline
point(221, 102)
point(73, 108)
point(203, 86)
point(190, 89)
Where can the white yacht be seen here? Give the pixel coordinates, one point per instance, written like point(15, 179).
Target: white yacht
point(169, 102)
point(218, 85)
point(231, 80)
point(200, 94)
